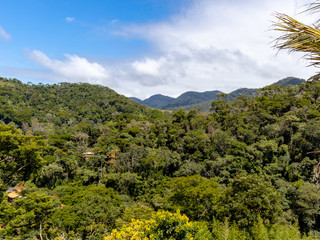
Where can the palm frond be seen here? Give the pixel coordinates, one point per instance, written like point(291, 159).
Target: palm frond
point(313, 7)
point(298, 37)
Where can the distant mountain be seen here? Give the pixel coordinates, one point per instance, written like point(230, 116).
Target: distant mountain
point(240, 92)
point(289, 81)
point(158, 101)
point(202, 100)
point(155, 101)
point(136, 100)
point(190, 98)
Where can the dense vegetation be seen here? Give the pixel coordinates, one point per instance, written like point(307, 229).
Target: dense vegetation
point(59, 106)
point(93, 160)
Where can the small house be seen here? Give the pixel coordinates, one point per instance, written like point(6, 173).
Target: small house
point(14, 192)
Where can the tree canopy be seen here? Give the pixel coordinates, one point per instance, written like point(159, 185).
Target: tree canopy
point(245, 170)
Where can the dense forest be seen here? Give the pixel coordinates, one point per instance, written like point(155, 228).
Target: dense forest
point(86, 163)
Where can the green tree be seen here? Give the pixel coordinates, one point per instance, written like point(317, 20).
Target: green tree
point(195, 196)
point(28, 217)
point(87, 211)
point(20, 157)
point(50, 174)
point(125, 183)
point(307, 206)
point(249, 197)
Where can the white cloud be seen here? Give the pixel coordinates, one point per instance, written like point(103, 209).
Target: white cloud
point(73, 68)
point(212, 45)
point(217, 44)
point(148, 66)
point(4, 35)
point(69, 19)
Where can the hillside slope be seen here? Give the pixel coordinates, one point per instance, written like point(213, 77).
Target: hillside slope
point(63, 104)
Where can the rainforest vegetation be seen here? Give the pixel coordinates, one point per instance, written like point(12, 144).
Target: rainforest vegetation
point(94, 165)
point(79, 161)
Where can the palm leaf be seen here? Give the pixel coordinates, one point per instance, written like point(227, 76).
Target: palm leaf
point(298, 37)
point(313, 7)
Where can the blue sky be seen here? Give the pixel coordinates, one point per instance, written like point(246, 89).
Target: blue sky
point(143, 47)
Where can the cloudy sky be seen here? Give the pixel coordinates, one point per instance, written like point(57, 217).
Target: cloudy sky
point(144, 47)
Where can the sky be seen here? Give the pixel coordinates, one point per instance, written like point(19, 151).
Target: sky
point(144, 47)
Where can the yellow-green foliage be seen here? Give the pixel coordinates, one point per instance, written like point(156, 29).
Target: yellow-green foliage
point(164, 225)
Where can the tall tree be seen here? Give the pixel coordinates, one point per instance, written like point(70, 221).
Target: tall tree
point(20, 158)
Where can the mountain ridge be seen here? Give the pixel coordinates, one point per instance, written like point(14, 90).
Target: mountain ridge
point(193, 99)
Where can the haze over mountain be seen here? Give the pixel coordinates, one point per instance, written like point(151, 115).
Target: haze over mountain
point(193, 100)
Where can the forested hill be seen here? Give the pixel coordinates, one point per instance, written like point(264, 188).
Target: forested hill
point(156, 101)
point(80, 162)
point(202, 100)
point(64, 104)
